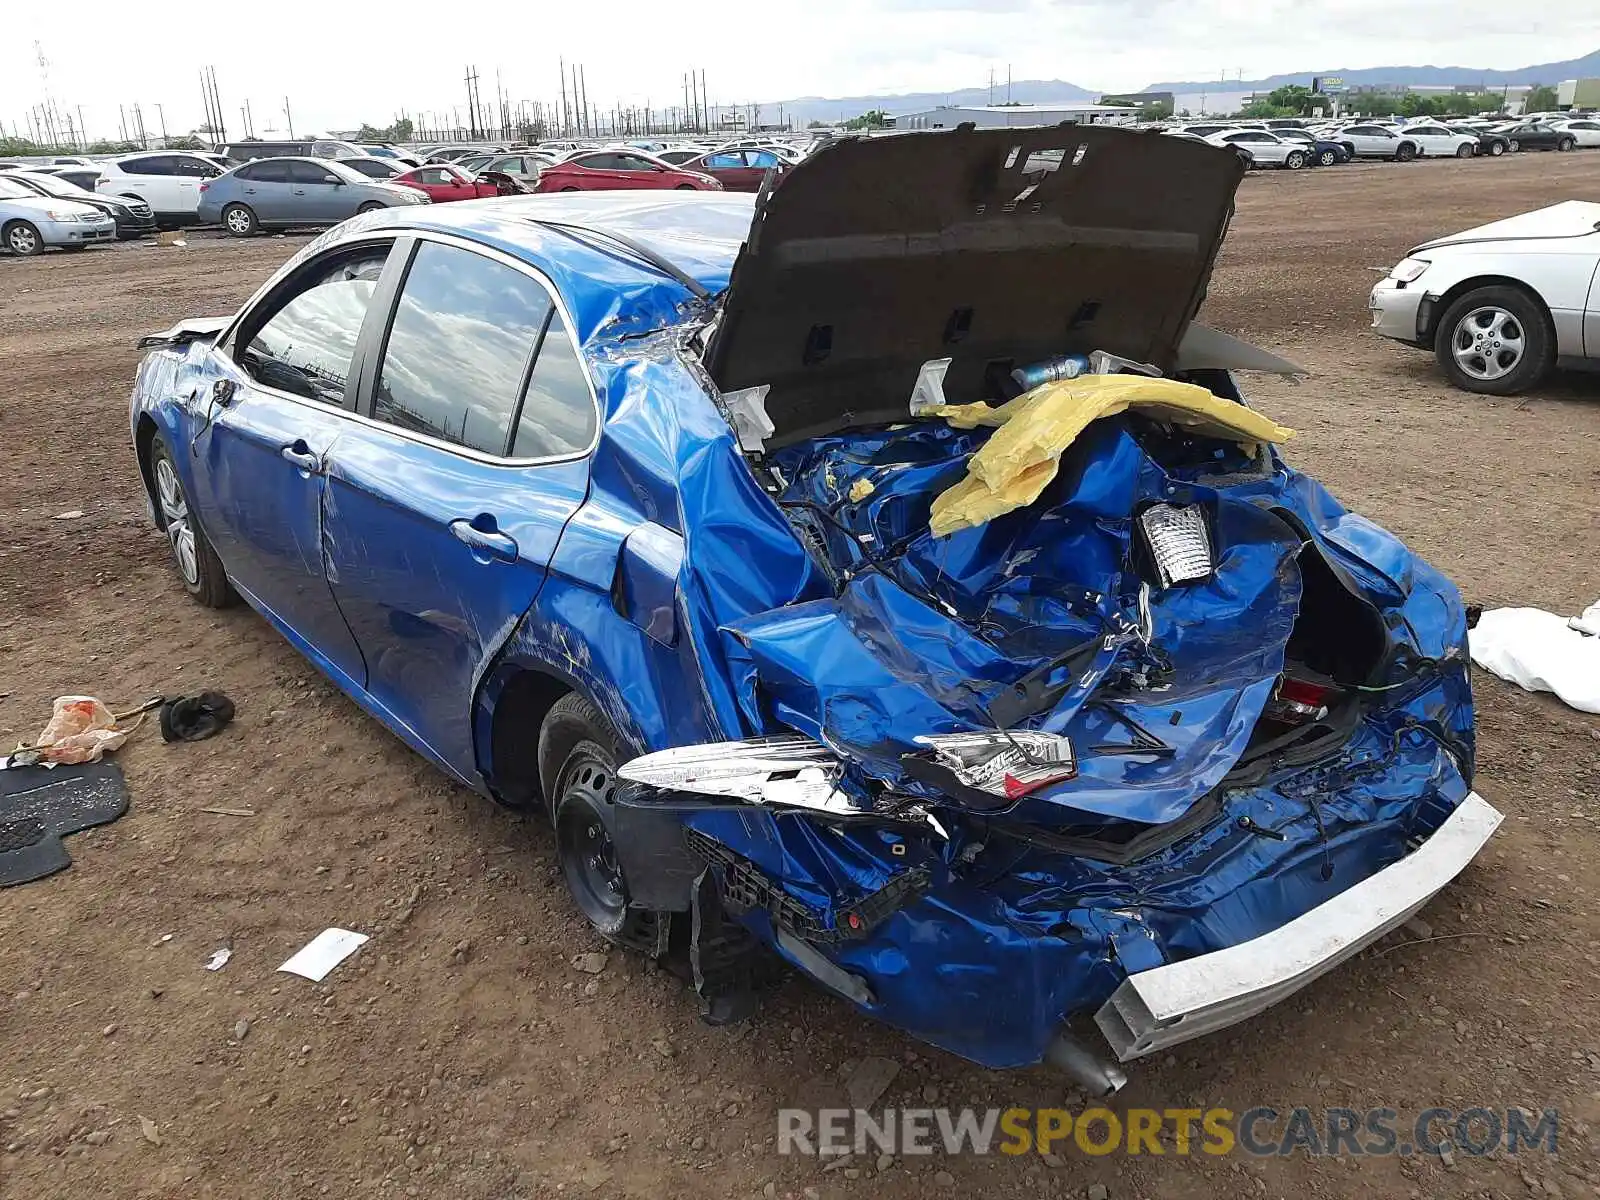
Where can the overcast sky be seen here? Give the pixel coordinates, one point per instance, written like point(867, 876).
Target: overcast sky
point(341, 65)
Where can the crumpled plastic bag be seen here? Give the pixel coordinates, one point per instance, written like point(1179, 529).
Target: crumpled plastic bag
point(81, 729)
point(1014, 466)
point(1541, 652)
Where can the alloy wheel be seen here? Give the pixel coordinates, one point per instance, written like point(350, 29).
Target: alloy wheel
point(238, 221)
point(1488, 343)
point(23, 240)
point(175, 516)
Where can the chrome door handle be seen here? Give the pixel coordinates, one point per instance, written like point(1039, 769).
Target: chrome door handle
point(494, 543)
point(303, 459)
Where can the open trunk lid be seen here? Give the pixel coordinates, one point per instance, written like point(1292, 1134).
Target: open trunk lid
point(992, 248)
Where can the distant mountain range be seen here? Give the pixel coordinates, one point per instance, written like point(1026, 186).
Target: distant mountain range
point(1058, 91)
point(1549, 74)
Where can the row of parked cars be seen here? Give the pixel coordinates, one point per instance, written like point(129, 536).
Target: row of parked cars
point(249, 186)
point(1295, 144)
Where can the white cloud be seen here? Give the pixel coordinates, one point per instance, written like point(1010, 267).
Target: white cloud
point(341, 65)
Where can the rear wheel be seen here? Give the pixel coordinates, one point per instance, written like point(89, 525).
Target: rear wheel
point(1296, 160)
point(1566, 144)
point(240, 220)
point(1464, 150)
point(197, 563)
point(1328, 157)
point(1513, 145)
point(1349, 150)
point(22, 238)
point(578, 771)
point(1405, 152)
point(569, 188)
point(1496, 341)
point(1496, 149)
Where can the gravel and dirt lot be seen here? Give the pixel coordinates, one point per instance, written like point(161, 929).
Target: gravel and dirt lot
point(461, 1054)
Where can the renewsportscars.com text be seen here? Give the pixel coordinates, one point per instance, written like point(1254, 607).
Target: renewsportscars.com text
point(1263, 1131)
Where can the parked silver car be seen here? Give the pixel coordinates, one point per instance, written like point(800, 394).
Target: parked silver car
point(29, 222)
point(278, 192)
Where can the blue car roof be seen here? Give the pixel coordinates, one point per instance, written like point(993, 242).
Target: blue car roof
point(609, 289)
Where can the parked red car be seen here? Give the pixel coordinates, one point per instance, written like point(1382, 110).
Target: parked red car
point(737, 170)
point(445, 183)
point(608, 170)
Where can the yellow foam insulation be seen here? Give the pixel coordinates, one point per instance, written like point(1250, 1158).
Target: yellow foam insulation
point(860, 490)
point(1014, 466)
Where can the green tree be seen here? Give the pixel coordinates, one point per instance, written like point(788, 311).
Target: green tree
point(1293, 97)
point(816, 124)
point(1540, 99)
point(1156, 112)
point(875, 119)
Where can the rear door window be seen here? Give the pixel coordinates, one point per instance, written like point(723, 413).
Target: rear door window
point(156, 164)
point(459, 348)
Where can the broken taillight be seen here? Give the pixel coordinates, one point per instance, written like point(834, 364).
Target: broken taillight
point(1009, 763)
point(1297, 701)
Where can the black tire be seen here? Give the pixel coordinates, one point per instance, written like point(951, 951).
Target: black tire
point(240, 220)
point(1349, 150)
point(22, 238)
point(371, 206)
point(569, 188)
point(1328, 158)
point(1539, 343)
point(1566, 144)
point(1465, 150)
point(1496, 149)
point(684, 187)
point(1405, 152)
point(207, 582)
point(1296, 160)
point(577, 770)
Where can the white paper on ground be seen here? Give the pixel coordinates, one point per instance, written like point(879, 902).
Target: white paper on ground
point(1541, 652)
point(323, 953)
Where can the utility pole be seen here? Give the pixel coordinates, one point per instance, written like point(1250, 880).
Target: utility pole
point(288, 118)
point(991, 87)
point(583, 79)
point(83, 130)
point(162, 113)
point(705, 98)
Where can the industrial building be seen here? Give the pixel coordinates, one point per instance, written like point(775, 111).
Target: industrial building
point(1001, 116)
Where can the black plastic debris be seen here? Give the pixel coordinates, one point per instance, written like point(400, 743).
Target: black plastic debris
point(195, 718)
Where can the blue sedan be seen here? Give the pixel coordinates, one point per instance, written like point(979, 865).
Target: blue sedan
point(665, 516)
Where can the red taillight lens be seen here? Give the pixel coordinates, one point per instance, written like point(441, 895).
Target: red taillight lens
point(1303, 691)
point(205, 187)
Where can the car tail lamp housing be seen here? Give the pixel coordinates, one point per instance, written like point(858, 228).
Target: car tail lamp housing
point(1004, 763)
point(1179, 542)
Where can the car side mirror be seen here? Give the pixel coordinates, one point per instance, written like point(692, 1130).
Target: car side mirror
point(333, 179)
point(222, 393)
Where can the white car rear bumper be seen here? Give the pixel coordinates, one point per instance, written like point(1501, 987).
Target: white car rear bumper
point(1155, 1009)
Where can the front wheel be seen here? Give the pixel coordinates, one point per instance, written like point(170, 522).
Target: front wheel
point(1496, 341)
point(197, 563)
point(370, 206)
point(22, 238)
point(1465, 150)
point(684, 187)
point(1296, 160)
point(240, 220)
point(578, 773)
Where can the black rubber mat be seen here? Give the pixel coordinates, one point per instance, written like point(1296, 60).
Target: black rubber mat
point(39, 806)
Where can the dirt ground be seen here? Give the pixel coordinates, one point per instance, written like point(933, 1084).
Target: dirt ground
point(460, 1054)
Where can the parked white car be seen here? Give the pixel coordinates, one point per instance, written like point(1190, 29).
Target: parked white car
point(1437, 141)
point(29, 222)
point(1585, 129)
point(1369, 140)
point(1264, 148)
point(1501, 304)
point(168, 181)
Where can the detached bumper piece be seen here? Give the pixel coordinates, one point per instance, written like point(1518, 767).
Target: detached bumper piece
point(746, 887)
point(1153, 1010)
